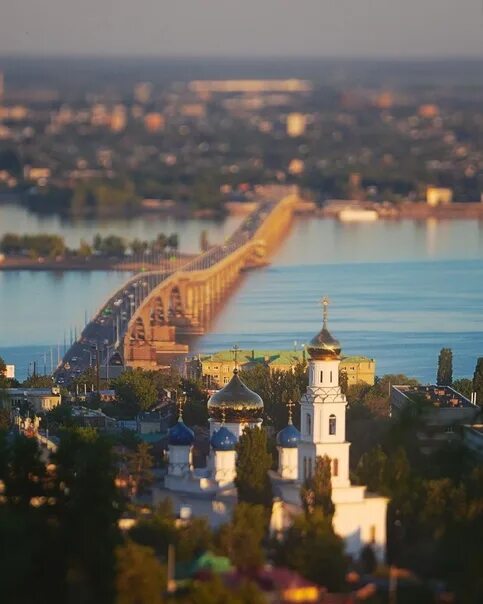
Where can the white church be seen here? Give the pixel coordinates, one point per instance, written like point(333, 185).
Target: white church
point(360, 516)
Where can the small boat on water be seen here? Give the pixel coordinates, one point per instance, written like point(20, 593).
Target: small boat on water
point(357, 215)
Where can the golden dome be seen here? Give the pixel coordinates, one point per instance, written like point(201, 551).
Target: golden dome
point(324, 345)
point(235, 402)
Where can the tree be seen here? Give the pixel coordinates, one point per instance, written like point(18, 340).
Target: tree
point(3, 376)
point(89, 509)
point(464, 386)
point(157, 530)
point(445, 367)
point(140, 578)
point(85, 250)
point(478, 381)
point(38, 381)
point(173, 241)
point(371, 470)
point(140, 463)
point(317, 489)
point(312, 548)
point(193, 539)
point(343, 381)
point(276, 388)
point(252, 466)
point(204, 243)
point(135, 390)
point(241, 539)
point(215, 592)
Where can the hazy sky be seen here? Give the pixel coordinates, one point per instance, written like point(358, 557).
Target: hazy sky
point(382, 28)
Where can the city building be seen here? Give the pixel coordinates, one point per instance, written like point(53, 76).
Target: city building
point(360, 516)
point(296, 123)
point(438, 196)
point(92, 418)
point(216, 369)
point(9, 372)
point(444, 412)
point(38, 399)
point(244, 86)
point(154, 122)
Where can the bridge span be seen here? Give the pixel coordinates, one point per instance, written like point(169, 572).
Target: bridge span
point(142, 322)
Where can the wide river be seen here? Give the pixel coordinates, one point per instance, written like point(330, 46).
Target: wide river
point(400, 291)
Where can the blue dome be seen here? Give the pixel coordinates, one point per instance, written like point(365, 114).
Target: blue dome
point(180, 434)
point(223, 440)
point(288, 437)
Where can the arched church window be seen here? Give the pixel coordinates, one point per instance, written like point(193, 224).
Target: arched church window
point(335, 467)
point(309, 424)
point(332, 424)
point(310, 467)
point(321, 377)
point(305, 467)
point(331, 377)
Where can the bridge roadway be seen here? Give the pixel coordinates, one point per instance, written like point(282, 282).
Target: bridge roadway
point(103, 337)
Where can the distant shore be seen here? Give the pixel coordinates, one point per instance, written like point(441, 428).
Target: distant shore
point(93, 264)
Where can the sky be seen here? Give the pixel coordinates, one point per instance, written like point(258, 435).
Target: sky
point(244, 28)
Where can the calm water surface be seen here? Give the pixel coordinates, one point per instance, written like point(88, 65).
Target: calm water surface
point(399, 290)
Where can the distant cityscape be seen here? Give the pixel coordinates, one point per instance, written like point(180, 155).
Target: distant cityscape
point(138, 466)
point(122, 146)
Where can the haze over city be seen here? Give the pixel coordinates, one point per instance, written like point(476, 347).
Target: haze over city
point(241, 296)
point(253, 28)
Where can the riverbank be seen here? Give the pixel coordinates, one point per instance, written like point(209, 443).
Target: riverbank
point(92, 264)
point(405, 210)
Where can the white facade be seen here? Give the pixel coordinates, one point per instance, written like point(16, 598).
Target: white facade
point(223, 467)
point(288, 462)
point(180, 460)
point(360, 517)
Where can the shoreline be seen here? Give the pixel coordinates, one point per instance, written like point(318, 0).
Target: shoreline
point(72, 264)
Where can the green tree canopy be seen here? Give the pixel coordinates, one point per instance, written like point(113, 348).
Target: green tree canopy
point(313, 549)
point(317, 489)
point(478, 381)
point(241, 539)
point(252, 466)
point(445, 367)
point(140, 578)
point(135, 390)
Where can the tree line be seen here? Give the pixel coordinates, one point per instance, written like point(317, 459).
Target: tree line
point(52, 246)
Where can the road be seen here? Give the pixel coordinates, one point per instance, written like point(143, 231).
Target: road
point(102, 336)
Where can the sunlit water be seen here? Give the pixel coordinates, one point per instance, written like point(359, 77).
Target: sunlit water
point(400, 291)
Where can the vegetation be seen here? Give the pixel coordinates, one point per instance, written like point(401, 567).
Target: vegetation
point(135, 391)
point(317, 489)
point(241, 540)
point(277, 388)
point(58, 524)
point(139, 464)
point(445, 367)
point(464, 386)
point(111, 246)
point(252, 465)
point(478, 381)
point(140, 577)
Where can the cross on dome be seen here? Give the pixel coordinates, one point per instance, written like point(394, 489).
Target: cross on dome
point(235, 351)
point(181, 401)
point(290, 405)
point(325, 306)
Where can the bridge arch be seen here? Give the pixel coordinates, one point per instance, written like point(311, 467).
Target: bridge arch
point(157, 316)
point(138, 332)
point(176, 307)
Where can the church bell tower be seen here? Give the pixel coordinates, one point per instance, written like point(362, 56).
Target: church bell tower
point(323, 409)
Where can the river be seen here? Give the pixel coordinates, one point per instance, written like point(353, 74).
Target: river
point(399, 292)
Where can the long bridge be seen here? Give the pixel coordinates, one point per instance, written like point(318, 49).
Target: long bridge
point(142, 323)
